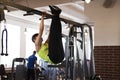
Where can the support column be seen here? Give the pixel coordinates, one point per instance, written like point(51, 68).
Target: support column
point(22, 42)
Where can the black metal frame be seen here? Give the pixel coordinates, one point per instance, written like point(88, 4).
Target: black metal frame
point(76, 24)
point(34, 11)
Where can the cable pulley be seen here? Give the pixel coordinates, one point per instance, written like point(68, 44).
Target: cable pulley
point(6, 40)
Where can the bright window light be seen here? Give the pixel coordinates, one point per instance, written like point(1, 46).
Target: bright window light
point(13, 45)
point(87, 1)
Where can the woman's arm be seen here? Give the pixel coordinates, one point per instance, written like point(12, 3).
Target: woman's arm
point(38, 41)
point(47, 38)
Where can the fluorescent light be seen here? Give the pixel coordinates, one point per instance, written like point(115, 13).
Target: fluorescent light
point(87, 1)
point(5, 9)
point(25, 31)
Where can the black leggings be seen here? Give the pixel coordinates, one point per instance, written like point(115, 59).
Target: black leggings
point(56, 52)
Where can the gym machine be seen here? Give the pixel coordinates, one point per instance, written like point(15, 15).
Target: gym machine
point(76, 68)
point(18, 70)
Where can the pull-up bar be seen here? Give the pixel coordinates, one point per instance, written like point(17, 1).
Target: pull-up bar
point(34, 11)
point(21, 7)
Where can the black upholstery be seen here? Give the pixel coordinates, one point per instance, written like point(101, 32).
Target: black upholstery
point(3, 73)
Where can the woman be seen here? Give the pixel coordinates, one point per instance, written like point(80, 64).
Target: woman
point(52, 50)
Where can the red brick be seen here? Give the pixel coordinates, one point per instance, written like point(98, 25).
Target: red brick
point(107, 62)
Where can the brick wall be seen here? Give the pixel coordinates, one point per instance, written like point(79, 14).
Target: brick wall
point(107, 62)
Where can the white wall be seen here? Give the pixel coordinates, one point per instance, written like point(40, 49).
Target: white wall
point(107, 22)
point(22, 24)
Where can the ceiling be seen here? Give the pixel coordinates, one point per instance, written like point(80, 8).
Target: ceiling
point(71, 9)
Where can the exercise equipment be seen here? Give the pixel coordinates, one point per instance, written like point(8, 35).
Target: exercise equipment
point(2, 15)
point(19, 70)
point(40, 73)
point(6, 41)
point(3, 75)
point(34, 11)
point(73, 60)
point(79, 68)
point(2, 18)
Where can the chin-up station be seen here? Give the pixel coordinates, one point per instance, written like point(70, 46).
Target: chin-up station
point(76, 65)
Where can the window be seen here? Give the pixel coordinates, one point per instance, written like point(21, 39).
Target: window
point(30, 47)
point(13, 45)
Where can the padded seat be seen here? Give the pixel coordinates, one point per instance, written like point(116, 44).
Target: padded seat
point(3, 73)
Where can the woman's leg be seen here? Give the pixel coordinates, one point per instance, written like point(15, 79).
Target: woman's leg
point(56, 52)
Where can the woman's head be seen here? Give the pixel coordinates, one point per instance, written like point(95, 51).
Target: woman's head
point(34, 37)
